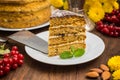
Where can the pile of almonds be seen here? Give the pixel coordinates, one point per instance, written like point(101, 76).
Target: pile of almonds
point(102, 72)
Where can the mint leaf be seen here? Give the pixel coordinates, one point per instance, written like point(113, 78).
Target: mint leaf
point(79, 52)
point(66, 55)
point(72, 49)
point(2, 46)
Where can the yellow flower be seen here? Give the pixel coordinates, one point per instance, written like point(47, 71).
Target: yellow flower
point(107, 6)
point(116, 5)
point(116, 75)
point(96, 14)
point(102, 1)
point(65, 5)
point(86, 7)
point(88, 4)
point(113, 63)
point(104, 6)
point(57, 3)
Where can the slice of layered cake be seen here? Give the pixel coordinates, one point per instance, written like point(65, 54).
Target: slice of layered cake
point(66, 29)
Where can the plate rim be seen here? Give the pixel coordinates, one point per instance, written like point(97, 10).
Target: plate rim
point(62, 59)
point(30, 28)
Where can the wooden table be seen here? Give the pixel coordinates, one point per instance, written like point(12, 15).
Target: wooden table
point(34, 70)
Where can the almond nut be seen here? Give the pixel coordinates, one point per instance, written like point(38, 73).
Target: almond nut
point(92, 74)
point(106, 75)
point(104, 67)
point(96, 70)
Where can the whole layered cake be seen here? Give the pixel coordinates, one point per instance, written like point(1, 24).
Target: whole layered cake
point(24, 13)
point(66, 29)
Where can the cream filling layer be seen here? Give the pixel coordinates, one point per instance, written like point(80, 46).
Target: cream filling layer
point(81, 33)
point(72, 26)
point(83, 42)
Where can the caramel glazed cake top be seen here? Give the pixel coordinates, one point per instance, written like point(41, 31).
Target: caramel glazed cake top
point(63, 13)
point(18, 1)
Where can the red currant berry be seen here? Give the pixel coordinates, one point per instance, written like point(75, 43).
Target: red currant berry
point(99, 23)
point(105, 25)
point(14, 66)
point(105, 30)
point(117, 12)
point(6, 69)
point(15, 48)
point(1, 67)
point(111, 28)
point(15, 55)
point(116, 34)
point(20, 56)
point(20, 62)
point(5, 60)
point(10, 61)
point(1, 61)
point(1, 72)
point(117, 29)
point(113, 12)
point(15, 59)
point(114, 19)
point(100, 27)
point(111, 33)
point(118, 16)
point(17, 52)
point(13, 52)
point(108, 18)
point(8, 65)
point(6, 55)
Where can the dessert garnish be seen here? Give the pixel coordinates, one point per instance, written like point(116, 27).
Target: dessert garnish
point(3, 50)
point(10, 59)
point(72, 53)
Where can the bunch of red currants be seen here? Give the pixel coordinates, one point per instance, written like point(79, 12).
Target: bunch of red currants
point(110, 25)
point(11, 61)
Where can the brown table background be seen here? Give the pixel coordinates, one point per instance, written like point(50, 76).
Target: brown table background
point(34, 70)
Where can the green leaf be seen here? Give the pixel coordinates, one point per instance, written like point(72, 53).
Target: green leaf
point(66, 55)
point(1, 52)
point(72, 49)
point(6, 51)
point(79, 52)
point(2, 47)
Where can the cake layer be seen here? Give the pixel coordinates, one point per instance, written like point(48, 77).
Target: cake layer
point(68, 20)
point(24, 21)
point(55, 40)
point(31, 7)
point(65, 29)
point(18, 1)
point(58, 49)
point(20, 17)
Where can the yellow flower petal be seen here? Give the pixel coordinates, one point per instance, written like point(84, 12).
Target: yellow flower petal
point(116, 5)
point(107, 7)
point(57, 3)
point(116, 75)
point(96, 14)
point(65, 5)
point(113, 63)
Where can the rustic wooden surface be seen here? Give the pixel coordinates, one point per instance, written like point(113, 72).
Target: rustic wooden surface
point(34, 70)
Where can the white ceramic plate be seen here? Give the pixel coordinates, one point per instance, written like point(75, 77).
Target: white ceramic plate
point(31, 28)
point(95, 47)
